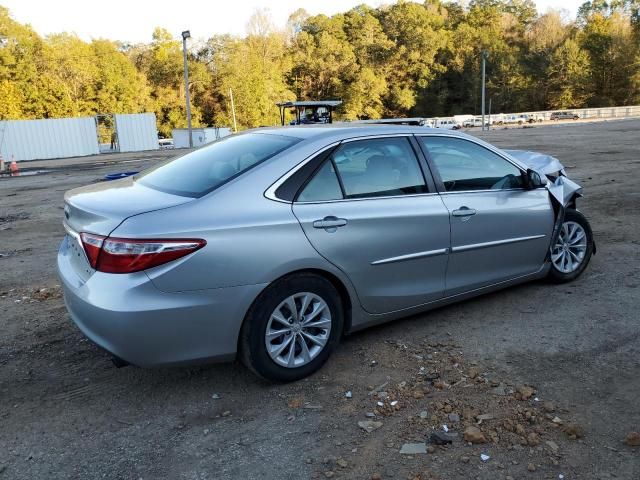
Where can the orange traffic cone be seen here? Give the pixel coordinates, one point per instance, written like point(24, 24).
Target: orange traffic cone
point(15, 171)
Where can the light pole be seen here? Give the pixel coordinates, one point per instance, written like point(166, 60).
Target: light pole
point(485, 54)
point(186, 34)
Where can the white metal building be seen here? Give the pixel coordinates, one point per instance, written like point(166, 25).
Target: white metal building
point(201, 136)
point(42, 139)
point(136, 132)
point(73, 137)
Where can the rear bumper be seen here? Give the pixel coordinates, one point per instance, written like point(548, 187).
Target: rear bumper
point(129, 317)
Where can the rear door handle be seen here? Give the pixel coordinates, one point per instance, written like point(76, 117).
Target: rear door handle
point(463, 212)
point(330, 222)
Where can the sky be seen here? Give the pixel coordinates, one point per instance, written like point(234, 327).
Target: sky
point(134, 20)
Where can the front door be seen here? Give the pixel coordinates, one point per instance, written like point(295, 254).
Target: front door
point(368, 211)
point(499, 230)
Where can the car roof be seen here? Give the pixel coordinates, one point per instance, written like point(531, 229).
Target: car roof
point(335, 132)
point(338, 131)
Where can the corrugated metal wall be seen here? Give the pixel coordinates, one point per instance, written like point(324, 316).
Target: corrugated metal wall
point(201, 136)
point(137, 132)
point(52, 138)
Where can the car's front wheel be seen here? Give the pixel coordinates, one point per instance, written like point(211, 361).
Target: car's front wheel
point(573, 248)
point(292, 328)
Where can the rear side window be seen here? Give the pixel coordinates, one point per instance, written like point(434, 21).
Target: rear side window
point(464, 165)
point(201, 171)
point(323, 186)
point(379, 167)
point(367, 168)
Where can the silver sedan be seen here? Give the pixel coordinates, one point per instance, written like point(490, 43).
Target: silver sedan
point(272, 244)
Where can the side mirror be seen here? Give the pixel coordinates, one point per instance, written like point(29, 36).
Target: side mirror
point(532, 180)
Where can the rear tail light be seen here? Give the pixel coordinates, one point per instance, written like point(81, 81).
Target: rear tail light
point(122, 255)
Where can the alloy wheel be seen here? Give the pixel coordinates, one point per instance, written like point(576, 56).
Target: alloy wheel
point(570, 248)
point(298, 330)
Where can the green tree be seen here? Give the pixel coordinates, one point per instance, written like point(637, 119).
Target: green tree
point(162, 64)
point(254, 69)
point(568, 74)
point(20, 69)
point(118, 86)
point(613, 49)
point(323, 60)
point(402, 59)
point(418, 34)
point(541, 40)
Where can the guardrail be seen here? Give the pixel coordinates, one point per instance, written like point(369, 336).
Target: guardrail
point(586, 113)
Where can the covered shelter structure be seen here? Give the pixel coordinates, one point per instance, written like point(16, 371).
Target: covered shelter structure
point(310, 111)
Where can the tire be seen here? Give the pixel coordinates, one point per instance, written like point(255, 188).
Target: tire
point(561, 271)
point(260, 319)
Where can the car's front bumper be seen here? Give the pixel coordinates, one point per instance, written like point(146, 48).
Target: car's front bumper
point(129, 317)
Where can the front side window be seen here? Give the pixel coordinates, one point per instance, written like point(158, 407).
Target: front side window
point(201, 171)
point(464, 165)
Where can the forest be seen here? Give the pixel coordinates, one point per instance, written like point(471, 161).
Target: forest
point(401, 59)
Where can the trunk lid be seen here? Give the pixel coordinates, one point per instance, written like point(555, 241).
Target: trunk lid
point(101, 207)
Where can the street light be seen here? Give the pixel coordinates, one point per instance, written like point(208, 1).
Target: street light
point(186, 34)
point(485, 54)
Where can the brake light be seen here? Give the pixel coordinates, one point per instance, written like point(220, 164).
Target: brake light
point(92, 245)
point(122, 255)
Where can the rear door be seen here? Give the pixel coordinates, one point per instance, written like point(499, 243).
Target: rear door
point(369, 210)
point(499, 230)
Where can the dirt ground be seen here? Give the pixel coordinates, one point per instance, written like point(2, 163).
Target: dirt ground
point(550, 375)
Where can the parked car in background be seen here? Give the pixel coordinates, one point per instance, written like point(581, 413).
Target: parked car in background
point(447, 123)
point(273, 243)
point(475, 122)
point(564, 116)
point(165, 143)
point(511, 119)
point(531, 118)
point(496, 119)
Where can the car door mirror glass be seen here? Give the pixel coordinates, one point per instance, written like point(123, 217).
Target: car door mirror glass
point(533, 179)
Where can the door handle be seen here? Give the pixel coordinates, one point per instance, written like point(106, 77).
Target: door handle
point(330, 222)
point(463, 212)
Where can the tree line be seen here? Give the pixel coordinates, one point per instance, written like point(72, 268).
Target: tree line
point(402, 59)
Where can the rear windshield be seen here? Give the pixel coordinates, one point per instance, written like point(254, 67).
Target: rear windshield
point(203, 170)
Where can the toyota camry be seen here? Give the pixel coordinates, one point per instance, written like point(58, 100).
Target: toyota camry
point(273, 244)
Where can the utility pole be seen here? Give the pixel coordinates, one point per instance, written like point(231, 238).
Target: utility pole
point(485, 54)
point(233, 111)
point(186, 34)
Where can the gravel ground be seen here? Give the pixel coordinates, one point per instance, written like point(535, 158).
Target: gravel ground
point(554, 369)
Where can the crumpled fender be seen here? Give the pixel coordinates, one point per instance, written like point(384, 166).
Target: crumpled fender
point(562, 190)
point(540, 162)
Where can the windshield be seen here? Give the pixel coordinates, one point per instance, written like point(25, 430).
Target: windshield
point(201, 171)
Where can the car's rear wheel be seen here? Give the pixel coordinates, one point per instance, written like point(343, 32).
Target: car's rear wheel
point(573, 248)
point(292, 328)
